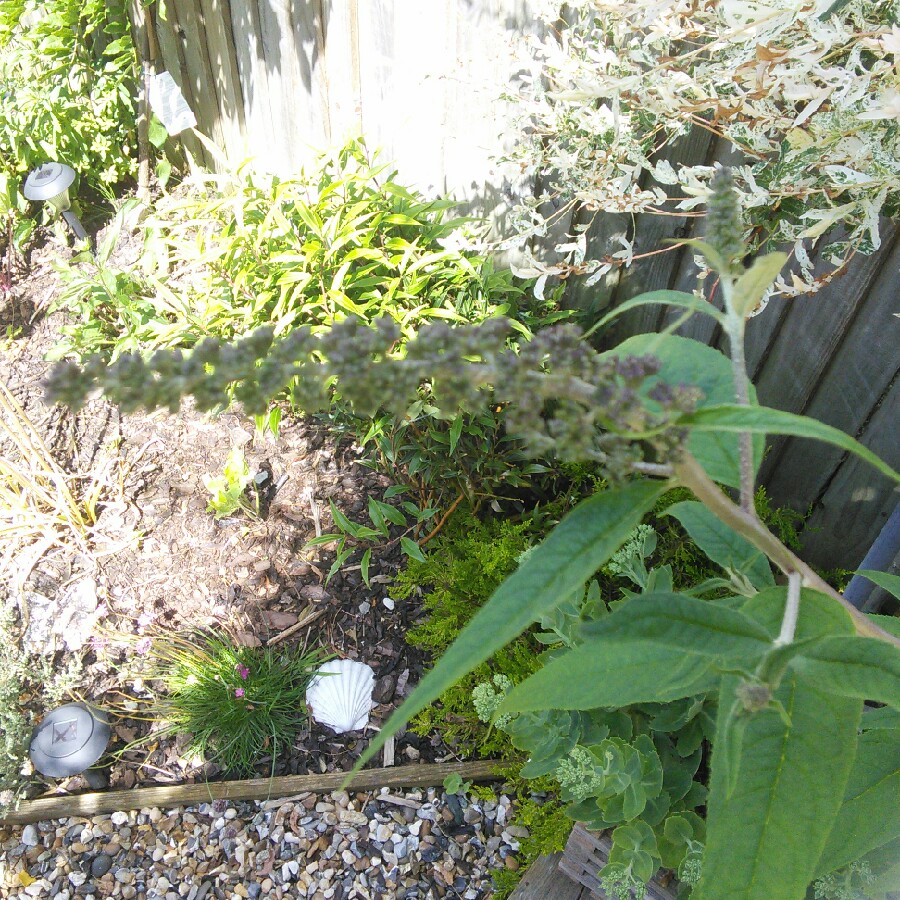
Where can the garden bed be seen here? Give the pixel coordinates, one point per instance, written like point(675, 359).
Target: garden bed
point(160, 562)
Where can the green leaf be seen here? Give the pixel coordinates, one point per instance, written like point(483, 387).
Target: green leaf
point(862, 667)
point(455, 432)
point(377, 517)
point(869, 817)
point(886, 580)
point(562, 564)
point(750, 288)
point(158, 134)
point(660, 298)
point(890, 624)
point(655, 648)
point(763, 420)
point(819, 616)
point(722, 544)
point(391, 513)
point(765, 837)
point(364, 567)
point(685, 361)
point(342, 521)
point(412, 549)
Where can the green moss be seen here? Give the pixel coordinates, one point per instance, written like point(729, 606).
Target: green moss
point(465, 565)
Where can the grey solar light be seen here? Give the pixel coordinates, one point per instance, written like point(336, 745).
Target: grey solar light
point(69, 741)
point(50, 183)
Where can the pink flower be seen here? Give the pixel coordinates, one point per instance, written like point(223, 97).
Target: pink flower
point(142, 647)
point(239, 692)
point(243, 671)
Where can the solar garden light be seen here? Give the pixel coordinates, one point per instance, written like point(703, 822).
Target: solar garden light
point(69, 741)
point(50, 183)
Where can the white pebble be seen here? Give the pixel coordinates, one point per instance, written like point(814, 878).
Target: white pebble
point(388, 603)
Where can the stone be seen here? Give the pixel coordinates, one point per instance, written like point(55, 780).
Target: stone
point(30, 836)
point(100, 865)
point(119, 818)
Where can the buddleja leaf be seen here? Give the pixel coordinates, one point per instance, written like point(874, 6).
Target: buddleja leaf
point(763, 420)
point(563, 563)
point(685, 361)
point(765, 836)
point(869, 817)
point(655, 648)
point(721, 544)
point(852, 666)
point(660, 298)
point(764, 839)
point(886, 580)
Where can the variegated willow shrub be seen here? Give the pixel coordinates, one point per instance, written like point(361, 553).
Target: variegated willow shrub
point(806, 93)
point(796, 691)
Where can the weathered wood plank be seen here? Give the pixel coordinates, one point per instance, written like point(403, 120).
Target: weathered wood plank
point(651, 231)
point(544, 881)
point(253, 78)
point(430, 775)
point(585, 855)
point(173, 61)
point(341, 71)
point(810, 335)
point(282, 151)
point(310, 96)
point(220, 45)
point(858, 374)
point(191, 29)
point(858, 500)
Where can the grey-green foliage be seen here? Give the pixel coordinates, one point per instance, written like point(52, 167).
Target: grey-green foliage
point(632, 769)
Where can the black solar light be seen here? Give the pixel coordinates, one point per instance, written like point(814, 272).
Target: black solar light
point(69, 741)
point(50, 183)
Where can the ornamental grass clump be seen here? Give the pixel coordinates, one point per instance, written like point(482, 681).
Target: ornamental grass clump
point(236, 703)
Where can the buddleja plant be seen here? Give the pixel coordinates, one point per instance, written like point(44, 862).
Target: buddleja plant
point(802, 781)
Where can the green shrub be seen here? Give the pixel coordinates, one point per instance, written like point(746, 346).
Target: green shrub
point(236, 703)
point(70, 66)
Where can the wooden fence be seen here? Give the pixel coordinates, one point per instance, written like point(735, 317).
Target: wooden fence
point(279, 79)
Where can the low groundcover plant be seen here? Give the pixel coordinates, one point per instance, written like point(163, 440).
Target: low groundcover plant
point(236, 703)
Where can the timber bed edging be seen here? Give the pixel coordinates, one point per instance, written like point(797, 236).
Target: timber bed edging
point(64, 806)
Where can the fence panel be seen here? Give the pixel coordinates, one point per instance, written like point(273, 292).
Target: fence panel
point(278, 80)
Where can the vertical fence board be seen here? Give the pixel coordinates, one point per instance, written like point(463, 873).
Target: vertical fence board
point(221, 53)
point(173, 61)
point(342, 77)
point(376, 50)
point(858, 500)
point(858, 374)
point(812, 332)
point(252, 77)
point(308, 94)
point(191, 30)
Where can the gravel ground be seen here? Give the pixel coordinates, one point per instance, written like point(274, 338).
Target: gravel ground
point(417, 845)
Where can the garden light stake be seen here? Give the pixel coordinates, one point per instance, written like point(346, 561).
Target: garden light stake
point(50, 183)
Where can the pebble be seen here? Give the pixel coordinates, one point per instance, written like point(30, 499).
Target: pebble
point(338, 846)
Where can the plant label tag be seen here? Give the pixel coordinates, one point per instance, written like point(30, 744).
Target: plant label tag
point(167, 101)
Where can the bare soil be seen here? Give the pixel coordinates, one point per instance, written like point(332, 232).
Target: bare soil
point(160, 560)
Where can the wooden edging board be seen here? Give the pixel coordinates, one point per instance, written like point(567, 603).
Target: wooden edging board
point(69, 805)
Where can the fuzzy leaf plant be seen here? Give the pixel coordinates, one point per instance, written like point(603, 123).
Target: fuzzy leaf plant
point(799, 787)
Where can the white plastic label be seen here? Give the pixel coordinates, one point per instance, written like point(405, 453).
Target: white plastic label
point(167, 101)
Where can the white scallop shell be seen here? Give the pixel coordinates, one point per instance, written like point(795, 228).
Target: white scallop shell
point(341, 697)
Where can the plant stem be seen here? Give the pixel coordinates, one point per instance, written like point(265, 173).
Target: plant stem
point(791, 609)
point(735, 329)
point(692, 475)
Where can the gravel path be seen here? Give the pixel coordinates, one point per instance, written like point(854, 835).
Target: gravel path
point(417, 845)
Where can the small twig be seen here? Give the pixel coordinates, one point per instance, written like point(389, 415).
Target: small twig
point(434, 531)
point(659, 469)
point(302, 623)
point(791, 609)
point(314, 508)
